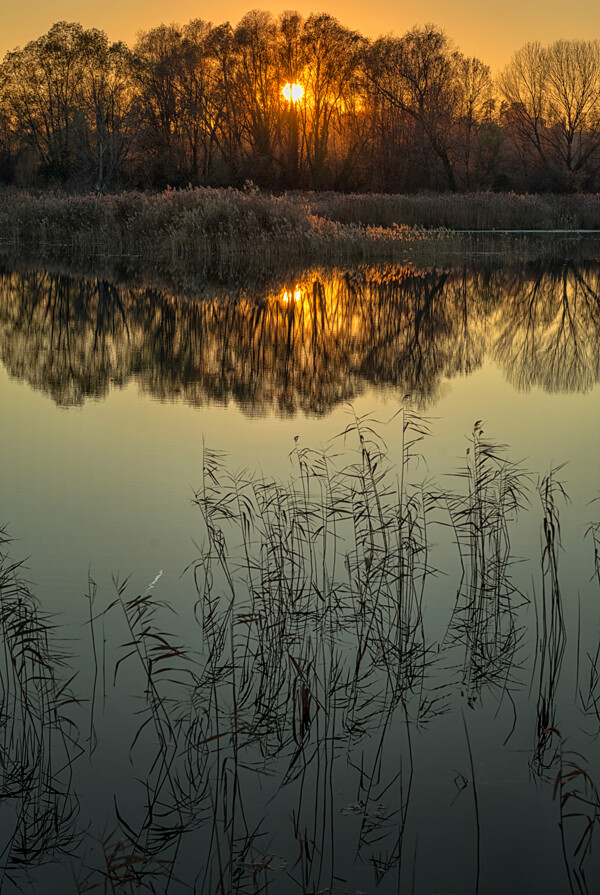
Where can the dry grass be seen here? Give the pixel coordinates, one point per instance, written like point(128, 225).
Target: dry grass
point(475, 211)
point(206, 227)
point(227, 232)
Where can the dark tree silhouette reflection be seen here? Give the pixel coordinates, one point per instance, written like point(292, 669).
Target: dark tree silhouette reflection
point(549, 330)
point(308, 344)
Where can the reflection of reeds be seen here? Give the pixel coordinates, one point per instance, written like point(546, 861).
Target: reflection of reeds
point(552, 630)
point(282, 750)
point(575, 789)
point(590, 696)
point(484, 621)
point(38, 736)
point(113, 865)
point(166, 668)
point(325, 648)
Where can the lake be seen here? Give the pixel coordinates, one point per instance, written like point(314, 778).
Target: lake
point(309, 598)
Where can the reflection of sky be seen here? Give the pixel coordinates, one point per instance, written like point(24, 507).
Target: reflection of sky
point(110, 482)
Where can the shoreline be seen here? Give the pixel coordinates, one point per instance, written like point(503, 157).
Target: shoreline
point(226, 232)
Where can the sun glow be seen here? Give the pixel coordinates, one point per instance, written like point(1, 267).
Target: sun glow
point(295, 296)
point(293, 92)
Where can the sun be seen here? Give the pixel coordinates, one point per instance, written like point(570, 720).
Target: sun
point(293, 92)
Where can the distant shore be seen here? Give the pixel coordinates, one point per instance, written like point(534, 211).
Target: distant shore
point(208, 229)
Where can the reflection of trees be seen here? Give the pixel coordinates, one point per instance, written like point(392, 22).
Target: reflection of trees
point(306, 346)
point(549, 329)
point(63, 336)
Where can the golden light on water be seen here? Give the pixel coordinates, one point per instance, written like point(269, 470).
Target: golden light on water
point(293, 92)
point(295, 296)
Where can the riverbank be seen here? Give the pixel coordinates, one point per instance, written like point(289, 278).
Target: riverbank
point(206, 227)
point(208, 232)
point(463, 212)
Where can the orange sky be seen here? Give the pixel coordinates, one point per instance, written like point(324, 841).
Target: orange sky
point(491, 31)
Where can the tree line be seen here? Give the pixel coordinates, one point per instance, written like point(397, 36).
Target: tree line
point(203, 104)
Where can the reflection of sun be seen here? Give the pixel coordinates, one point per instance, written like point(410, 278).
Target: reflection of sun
point(293, 92)
point(296, 295)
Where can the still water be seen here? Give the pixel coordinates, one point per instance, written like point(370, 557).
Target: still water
point(336, 537)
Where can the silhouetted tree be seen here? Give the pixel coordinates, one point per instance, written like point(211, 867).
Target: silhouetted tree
point(418, 73)
point(203, 104)
point(110, 108)
point(552, 110)
point(332, 55)
point(43, 82)
point(68, 96)
point(475, 106)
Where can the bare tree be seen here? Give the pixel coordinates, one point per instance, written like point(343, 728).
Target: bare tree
point(418, 74)
point(474, 107)
point(201, 101)
point(109, 103)
point(69, 96)
point(332, 55)
point(290, 61)
point(42, 83)
point(159, 76)
point(258, 89)
point(552, 107)
point(227, 120)
point(573, 84)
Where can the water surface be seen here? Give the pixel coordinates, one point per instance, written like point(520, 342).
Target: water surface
point(386, 678)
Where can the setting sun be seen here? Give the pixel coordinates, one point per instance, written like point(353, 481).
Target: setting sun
point(293, 92)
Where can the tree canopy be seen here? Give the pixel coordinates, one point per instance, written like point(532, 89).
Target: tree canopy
point(205, 104)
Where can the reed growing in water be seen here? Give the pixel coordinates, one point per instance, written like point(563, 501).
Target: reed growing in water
point(283, 726)
point(471, 211)
point(208, 228)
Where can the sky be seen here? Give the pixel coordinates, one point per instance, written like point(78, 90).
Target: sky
point(492, 31)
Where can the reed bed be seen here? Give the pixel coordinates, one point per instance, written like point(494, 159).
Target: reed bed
point(472, 211)
point(179, 239)
point(208, 228)
point(273, 745)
